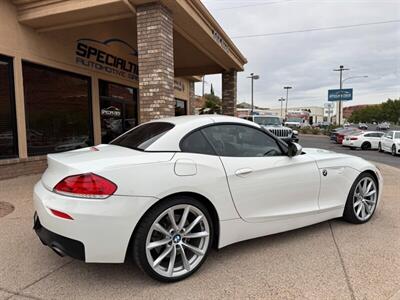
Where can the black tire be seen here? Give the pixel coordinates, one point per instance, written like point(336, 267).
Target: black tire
point(366, 146)
point(394, 150)
point(380, 147)
point(348, 214)
point(140, 236)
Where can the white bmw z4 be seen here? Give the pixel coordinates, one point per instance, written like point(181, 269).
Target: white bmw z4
point(168, 190)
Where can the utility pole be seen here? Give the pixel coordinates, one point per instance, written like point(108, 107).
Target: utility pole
point(281, 101)
point(339, 113)
point(287, 88)
point(252, 77)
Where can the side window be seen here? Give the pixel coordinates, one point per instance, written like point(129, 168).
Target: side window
point(369, 135)
point(241, 141)
point(196, 143)
point(397, 135)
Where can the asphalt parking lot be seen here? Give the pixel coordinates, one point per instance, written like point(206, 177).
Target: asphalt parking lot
point(323, 142)
point(331, 260)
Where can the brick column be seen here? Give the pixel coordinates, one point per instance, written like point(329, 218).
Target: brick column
point(192, 98)
point(156, 62)
point(229, 92)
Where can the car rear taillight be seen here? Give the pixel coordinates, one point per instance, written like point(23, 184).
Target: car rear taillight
point(87, 185)
point(61, 214)
point(353, 138)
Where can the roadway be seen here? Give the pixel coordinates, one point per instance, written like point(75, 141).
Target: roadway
point(323, 142)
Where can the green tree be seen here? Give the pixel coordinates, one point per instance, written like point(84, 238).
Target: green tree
point(387, 111)
point(212, 104)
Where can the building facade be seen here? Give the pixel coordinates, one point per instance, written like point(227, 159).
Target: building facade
point(79, 73)
point(348, 110)
point(316, 113)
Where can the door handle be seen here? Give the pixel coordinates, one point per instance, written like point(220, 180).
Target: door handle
point(244, 171)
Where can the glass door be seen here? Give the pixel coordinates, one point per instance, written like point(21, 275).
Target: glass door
point(118, 109)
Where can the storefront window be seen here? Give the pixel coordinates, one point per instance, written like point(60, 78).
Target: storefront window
point(118, 110)
point(8, 135)
point(57, 108)
point(180, 107)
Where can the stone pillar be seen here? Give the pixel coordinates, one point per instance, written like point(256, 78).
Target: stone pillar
point(156, 62)
point(192, 99)
point(229, 92)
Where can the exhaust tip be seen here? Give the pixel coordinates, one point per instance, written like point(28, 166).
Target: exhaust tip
point(58, 251)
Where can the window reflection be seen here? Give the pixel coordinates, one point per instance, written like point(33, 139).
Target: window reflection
point(57, 108)
point(8, 134)
point(180, 107)
point(118, 109)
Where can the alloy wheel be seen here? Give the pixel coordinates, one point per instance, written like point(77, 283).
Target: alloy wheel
point(364, 198)
point(366, 146)
point(177, 240)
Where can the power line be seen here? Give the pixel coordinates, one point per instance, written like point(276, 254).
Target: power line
point(252, 5)
point(314, 29)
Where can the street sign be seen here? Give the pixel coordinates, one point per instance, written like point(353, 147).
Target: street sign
point(340, 95)
point(329, 105)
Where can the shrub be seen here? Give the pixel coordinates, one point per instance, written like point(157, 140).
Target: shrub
point(315, 130)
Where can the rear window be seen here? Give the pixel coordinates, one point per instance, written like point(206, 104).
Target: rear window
point(141, 137)
point(359, 133)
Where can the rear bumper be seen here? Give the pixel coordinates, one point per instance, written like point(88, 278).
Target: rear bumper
point(60, 244)
point(103, 226)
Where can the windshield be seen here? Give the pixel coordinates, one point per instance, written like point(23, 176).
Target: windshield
point(141, 137)
point(267, 120)
point(299, 120)
point(357, 132)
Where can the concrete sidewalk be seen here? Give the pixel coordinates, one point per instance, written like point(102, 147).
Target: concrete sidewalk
point(331, 260)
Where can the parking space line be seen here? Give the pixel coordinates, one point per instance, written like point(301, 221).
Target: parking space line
point(41, 278)
point(346, 275)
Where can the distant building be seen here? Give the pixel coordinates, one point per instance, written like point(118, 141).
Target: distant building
point(244, 109)
point(198, 104)
point(316, 113)
point(348, 111)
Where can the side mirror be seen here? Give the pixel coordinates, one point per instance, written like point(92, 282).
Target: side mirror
point(294, 149)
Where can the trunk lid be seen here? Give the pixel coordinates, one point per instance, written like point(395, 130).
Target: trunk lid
point(96, 159)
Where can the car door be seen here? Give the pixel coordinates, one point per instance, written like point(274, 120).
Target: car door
point(387, 141)
point(264, 182)
point(371, 138)
point(376, 139)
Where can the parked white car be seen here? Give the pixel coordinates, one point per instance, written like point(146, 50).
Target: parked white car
point(168, 190)
point(383, 126)
point(390, 142)
point(365, 140)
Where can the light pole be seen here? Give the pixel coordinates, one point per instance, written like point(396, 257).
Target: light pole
point(203, 84)
point(281, 101)
point(353, 77)
point(287, 88)
point(339, 113)
point(252, 77)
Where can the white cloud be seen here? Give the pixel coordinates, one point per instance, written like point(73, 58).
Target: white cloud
point(306, 60)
